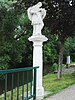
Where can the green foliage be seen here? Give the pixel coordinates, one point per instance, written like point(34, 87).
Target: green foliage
point(55, 67)
point(69, 44)
point(50, 48)
point(70, 47)
point(13, 41)
point(4, 60)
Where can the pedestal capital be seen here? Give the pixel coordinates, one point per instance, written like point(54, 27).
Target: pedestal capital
point(38, 38)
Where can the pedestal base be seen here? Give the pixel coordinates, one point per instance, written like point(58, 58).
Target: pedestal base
point(39, 93)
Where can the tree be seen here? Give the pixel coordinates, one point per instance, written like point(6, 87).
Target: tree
point(60, 20)
point(13, 37)
point(63, 24)
point(70, 47)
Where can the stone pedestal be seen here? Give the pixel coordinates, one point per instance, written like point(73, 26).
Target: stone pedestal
point(38, 61)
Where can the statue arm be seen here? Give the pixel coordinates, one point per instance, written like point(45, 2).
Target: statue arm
point(43, 13)
point(35, 8)
point(29, 14)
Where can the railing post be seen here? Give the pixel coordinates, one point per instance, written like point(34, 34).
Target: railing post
point(27, 84)
point(18, 87)
point(34, 88)
point(12, 86)
point(23, 86)
point(5, 86)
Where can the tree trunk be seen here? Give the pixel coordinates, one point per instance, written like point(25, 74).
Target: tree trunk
point(60, 61)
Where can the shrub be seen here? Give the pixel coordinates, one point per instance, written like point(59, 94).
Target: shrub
point(55, 67)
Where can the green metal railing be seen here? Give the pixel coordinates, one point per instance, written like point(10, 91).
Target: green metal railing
point(26, 93)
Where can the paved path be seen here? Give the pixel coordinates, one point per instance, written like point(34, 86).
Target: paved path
point(68, 70)
point(66, 94)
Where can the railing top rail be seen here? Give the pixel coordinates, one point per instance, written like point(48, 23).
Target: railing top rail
point(17, 70)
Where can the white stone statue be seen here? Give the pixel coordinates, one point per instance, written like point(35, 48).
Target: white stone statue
point(36, 15)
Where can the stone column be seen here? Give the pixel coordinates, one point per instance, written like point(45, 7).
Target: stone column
point(36, 14)
point(38, 61)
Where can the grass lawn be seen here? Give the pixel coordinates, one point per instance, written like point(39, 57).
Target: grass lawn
point(72, 62)
point(53, 85)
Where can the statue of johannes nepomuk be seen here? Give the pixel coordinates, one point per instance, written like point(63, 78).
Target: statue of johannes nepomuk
point(36, 15)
